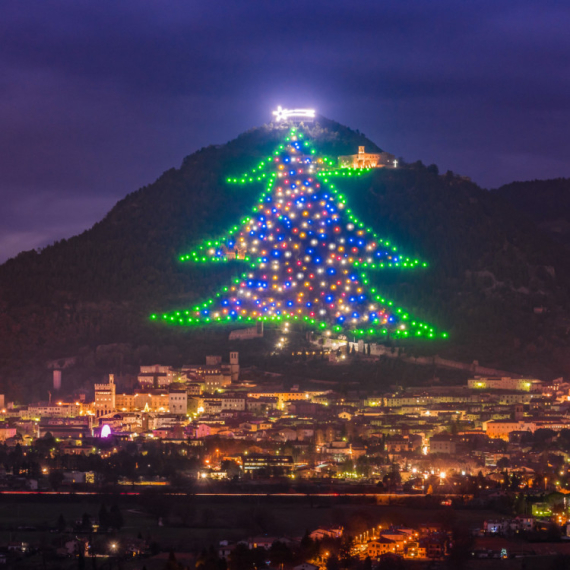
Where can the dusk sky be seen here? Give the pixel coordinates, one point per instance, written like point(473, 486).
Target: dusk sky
point(98, 98)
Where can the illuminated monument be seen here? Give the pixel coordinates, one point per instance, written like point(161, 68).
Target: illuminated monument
point(307, 256)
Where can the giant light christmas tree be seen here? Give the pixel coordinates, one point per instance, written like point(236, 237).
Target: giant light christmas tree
point(307, 255)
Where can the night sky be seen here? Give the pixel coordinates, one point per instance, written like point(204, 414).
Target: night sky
point(98, 98)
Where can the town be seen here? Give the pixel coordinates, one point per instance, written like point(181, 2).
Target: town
point(498, 443)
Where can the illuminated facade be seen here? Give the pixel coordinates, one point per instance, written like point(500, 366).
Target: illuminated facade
point(178, 401)
point(504, 383)
point(500, 429)
point(105, 397)
point(274, 465)
point(380, 546)
point(365, 159)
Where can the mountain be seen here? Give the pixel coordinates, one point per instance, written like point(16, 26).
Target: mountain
point(546, 202)
point(495, 281)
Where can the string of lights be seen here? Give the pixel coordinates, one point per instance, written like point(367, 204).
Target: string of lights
point(306, 252)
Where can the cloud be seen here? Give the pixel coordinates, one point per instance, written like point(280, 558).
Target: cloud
point(98, 99)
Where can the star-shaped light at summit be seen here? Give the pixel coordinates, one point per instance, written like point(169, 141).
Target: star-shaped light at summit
point(307, 254)
point(293, 114)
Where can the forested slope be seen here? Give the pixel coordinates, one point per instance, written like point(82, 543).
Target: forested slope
point(547, 202)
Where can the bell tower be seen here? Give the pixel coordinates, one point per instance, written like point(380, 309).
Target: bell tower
point(234, 366)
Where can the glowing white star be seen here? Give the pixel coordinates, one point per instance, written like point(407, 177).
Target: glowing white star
point(284, 114)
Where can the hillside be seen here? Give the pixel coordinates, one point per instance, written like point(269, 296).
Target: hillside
point(547, 202)
point(90, 296)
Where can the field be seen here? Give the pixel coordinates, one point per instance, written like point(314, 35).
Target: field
point(189, 524)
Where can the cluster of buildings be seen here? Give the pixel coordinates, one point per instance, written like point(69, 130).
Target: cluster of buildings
point(491, 436)
point(428, 541)
point(420, 433)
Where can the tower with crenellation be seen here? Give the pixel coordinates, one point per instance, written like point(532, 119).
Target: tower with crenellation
point(105, 397)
